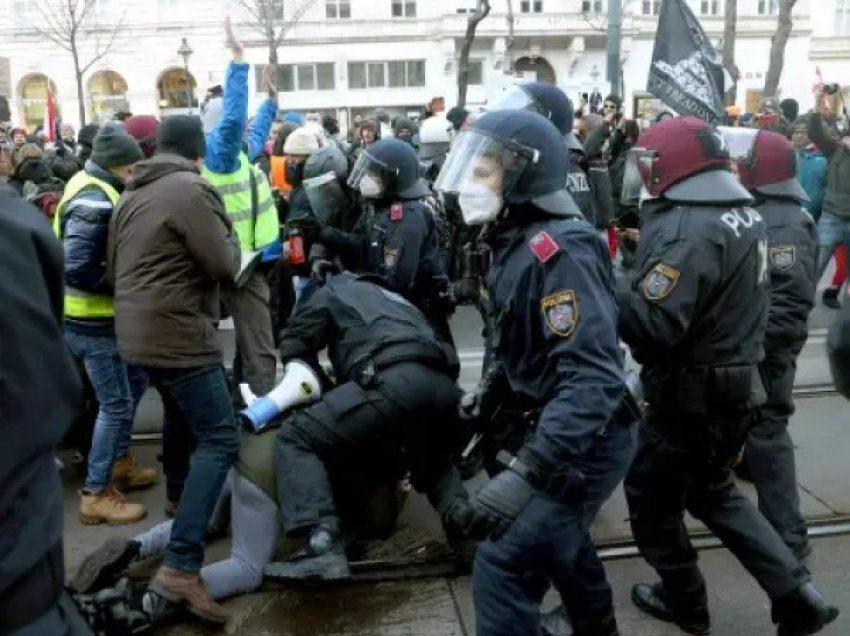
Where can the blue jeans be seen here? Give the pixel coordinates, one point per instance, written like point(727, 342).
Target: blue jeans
point(198, 400)
point(833, 230)
point(550, 543)
point(118, 388)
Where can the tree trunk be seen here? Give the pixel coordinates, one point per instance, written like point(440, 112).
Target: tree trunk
point(777, 48)
point(78, 74)
point(730, 31)
point(509, 44)
point(481, 12)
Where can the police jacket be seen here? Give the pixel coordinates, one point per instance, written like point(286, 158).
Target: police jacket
point(361, 324)
point(579, 186)
point(699, 296)
point(551, 291)
point(40, 392)
point(398, 242)
point(792, 252)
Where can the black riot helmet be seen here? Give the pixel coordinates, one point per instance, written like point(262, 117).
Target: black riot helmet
point(516, 156)
point(388, 169)
point(545, 99)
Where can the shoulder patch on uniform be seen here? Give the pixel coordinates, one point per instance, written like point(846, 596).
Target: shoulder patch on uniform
point(660, 282)
point(560, 311)
point(396, 212)
point(783, 257)
point(543, 246)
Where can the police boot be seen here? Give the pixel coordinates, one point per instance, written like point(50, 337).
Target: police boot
point(802, 612)
point(323, 558)
point(655, 601)
point(557, 622)
point(102, 568)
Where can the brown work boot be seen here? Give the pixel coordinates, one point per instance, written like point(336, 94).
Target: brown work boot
point(185, 588)
point(109, 506)
point(127, 475)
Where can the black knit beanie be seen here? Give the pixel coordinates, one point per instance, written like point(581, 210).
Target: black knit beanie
point(182, 135)
point(113, 147)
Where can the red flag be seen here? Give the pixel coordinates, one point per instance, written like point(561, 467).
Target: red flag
point(50, 118)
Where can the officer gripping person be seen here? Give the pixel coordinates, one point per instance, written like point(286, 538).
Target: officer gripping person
point(551, 284)
point(695, 318)
point(395, 390)
point(397, 234)
point(769, 172)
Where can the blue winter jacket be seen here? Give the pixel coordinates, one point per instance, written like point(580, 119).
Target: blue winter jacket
point(811, 172)
point(224, 143)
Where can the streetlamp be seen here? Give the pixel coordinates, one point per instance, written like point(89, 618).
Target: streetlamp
point(185, 51)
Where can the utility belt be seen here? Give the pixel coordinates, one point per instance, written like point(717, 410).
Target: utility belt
point(705, 389)
point(438, 356)
point(34, 594)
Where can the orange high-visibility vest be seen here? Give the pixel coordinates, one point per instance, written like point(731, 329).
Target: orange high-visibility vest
point(278, 175)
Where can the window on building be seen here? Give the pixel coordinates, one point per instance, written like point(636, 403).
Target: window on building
point(476, 72)
point(300, 77)
point(396, 74)
point(404, 8)
point(710, 7)
point(107, 94)
point(842, 17)
point(531, 6)
point(768, 7)
point(337, 9)
point(650, 7)
point(592, 6)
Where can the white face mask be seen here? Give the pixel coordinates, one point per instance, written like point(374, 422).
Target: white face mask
point(479, 204)
point(370, 187)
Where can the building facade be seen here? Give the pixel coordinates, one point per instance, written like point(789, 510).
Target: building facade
point(351, 56)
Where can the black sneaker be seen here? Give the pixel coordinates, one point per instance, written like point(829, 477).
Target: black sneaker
point(652, 600)
point(101, 568)
point(322, 559)
point(802, 612)
point(830, 298)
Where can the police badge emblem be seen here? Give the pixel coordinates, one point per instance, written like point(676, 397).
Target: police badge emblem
point(561, 312)
point(390, 257)
point(659, 282)
point(783, 257)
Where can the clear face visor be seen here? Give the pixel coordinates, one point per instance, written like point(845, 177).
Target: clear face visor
point(326, 197)
point(740, 142)
point(516, 98)
point(477, 159)
point(372, 170)
point(633, 183)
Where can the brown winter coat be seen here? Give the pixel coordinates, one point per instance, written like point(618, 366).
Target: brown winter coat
point(170, 247)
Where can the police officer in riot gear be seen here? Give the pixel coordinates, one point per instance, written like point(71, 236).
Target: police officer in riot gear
point(551, 102)
point(551, 286)
point(695, 318)
point(395, 390)
point(397, 234)
point(769, 172)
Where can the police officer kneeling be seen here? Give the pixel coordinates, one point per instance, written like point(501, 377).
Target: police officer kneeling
point(551, 283)
point(395, 393)
point(769, 172)
point(695, 319)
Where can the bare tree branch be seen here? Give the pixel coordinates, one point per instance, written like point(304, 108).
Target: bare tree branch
point(263, 20)
point(777, 47)
point(511, 39)
point(291, 22)
point(472, 22)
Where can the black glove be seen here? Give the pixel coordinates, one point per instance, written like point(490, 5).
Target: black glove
point(501, 501)
point(464, 519)
point(321, 268)
point(466, 291)
point(309, 226)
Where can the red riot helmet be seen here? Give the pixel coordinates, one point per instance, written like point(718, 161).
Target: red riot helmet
point(685, 160)
point(771, 168)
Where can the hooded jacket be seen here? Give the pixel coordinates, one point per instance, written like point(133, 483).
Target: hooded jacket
point(836, 196)
point(170, 248)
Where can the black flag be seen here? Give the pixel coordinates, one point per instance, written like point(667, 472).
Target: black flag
point(686, 72)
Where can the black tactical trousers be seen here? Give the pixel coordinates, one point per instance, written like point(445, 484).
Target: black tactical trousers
point(769, 455)
point(683, 464)
point(367, 435)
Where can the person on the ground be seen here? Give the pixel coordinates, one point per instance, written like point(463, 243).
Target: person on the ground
point(694, 316)
point(82, 224)
point(834, 222)
point(395, 392)
point(250, 205)
point(552, 283)
point(771, 177)
point(171, 249)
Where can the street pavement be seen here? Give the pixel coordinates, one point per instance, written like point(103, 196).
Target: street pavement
point(443, 606)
